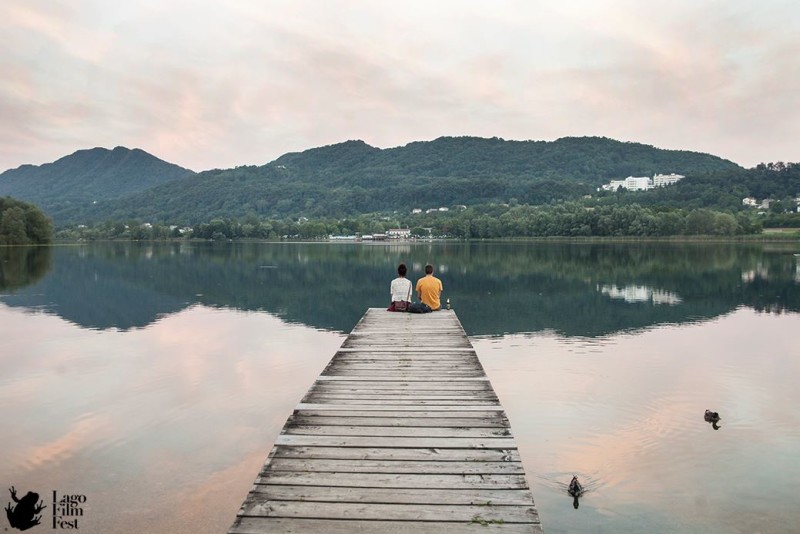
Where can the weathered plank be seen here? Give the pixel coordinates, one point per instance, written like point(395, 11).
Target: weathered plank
point(413, 414)
point(369, 393)
point(260, 525)
point(378, 378)
point(396, 480)
point(398, 387)
point(397, 408)
point(400, 402)
point(396, 431)
point(389, 453)
point(436, 422)
point(402, 432)
point(393, 467)
point(379, 441)
point(393, 511)
point(479, 497)
point(398, 375)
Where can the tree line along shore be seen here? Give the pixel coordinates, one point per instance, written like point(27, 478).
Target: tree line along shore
point(571, 220)
point(22, 223)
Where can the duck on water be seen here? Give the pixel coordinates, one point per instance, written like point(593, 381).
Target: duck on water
point(575, 489)
point(713, 418)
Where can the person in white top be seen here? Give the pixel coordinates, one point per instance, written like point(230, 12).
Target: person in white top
point(400, 290)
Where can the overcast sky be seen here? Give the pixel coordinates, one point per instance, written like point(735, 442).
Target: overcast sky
point(217, 84)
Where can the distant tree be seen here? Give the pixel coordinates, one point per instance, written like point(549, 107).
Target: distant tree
point(22, 223)
point(700, 222)
point(419, 232)
point(725, 224)
point(13, 227)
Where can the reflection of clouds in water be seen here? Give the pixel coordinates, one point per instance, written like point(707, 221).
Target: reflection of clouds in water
point(80, 437)
point(176, 510)
point(163, 409)
point(630, 415)
point(636, 293)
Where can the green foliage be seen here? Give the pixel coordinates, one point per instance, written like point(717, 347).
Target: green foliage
point(23, 224)
point(512, 188)
point(353, 178)
point(722, 190)
point(577, 220)
point(75, 184)
point(570, 219)
point(782, 220)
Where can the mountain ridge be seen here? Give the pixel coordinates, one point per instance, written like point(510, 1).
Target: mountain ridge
point(343, 179)
point(86, 176)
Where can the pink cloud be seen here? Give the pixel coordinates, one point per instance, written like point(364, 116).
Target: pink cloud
point(244, 84)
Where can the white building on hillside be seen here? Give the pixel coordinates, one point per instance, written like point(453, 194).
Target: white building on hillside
point(638, 183)
point(661, 180)
point(614, 185)
point(643, 183)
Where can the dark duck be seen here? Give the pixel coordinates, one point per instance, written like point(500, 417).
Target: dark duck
point(575, 489)
point(712, 417)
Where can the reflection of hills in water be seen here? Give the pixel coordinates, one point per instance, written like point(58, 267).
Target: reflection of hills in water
point(92, 293)
point(573, 289)
point(22, 266)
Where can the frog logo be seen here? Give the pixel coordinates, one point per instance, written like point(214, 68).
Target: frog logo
point(23, 515)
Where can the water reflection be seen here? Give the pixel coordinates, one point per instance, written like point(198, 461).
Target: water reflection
point(158, 425)
point(162, 402)
point(22, 266)
point(641, 294)
point(586, 290)
point(797, 269)
point(627, 421)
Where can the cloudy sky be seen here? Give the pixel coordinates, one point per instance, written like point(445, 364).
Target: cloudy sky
point(209, 84)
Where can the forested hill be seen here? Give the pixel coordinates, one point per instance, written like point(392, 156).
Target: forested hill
point(353, 177)
point(74, 182)
point(592, 160)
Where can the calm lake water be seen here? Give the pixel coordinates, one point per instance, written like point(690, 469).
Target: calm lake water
point(153, 379)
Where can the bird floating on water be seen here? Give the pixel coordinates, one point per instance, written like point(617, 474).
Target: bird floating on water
point(575, 489)
point(711, 417)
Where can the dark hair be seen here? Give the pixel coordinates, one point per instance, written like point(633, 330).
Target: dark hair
point(401, 269)
point(429, 269)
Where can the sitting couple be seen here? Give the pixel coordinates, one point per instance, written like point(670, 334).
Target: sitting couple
point(429, 289)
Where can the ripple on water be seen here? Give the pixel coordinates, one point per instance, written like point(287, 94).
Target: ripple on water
point(558, 481)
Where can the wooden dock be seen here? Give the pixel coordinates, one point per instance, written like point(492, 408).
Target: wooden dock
point(401, 433)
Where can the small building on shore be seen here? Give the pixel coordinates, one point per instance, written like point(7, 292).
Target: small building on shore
point(398, 233)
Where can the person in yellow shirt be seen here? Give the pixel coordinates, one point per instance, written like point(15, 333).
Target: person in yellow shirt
point(429, 289)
